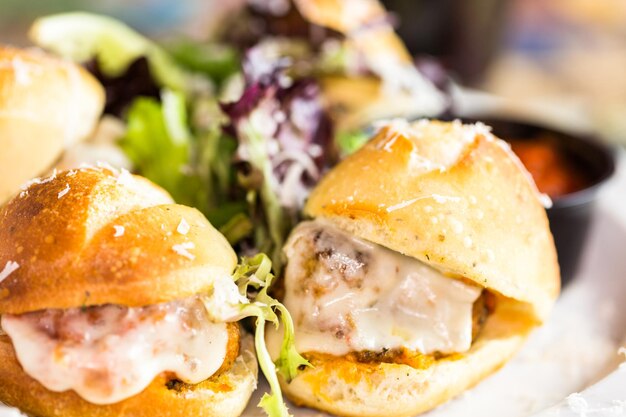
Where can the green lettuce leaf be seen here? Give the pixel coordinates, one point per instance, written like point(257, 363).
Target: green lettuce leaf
point(212, 162)
point(277, 221)
point(236, 228)
point(351, 141)
point(80, 37)
point(194, 167)
point(216, 61)
point(158, 143)
point(254, 275)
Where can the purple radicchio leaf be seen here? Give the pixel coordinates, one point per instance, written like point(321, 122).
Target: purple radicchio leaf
point(290, 116)
point(285, 143)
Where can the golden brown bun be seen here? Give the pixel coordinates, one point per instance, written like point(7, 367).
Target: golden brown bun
point(395, 87)
point(452, 196)
point(61, 233)
point(353, 389)
point(341, 15)
point(366, 27)
point(355, 101)
point(222, 395)
point(45, 105)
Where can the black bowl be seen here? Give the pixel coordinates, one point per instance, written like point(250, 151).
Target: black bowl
point(570, 214)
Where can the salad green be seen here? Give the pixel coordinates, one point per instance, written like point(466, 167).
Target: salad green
point(254, 274)
point(158, 142)
point(82, 36)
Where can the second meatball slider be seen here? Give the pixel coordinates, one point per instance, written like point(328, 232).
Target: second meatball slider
point(426, 264)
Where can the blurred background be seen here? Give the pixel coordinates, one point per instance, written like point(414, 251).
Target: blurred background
point(562, 58)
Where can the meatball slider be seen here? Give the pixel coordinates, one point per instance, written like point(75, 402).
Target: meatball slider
point(46, 105)
point(115, 301)
point(426, 264)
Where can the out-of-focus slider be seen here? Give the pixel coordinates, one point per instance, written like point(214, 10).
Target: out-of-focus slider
point(46, 105)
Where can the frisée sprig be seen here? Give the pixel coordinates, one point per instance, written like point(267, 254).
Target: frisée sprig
point(254, 276)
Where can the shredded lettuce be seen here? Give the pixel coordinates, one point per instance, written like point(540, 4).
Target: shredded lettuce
point(83, 36)
point(254, 276)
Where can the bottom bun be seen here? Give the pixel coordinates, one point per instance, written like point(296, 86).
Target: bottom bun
point(354, 389)
point(223, 395)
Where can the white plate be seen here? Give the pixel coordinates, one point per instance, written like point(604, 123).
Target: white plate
point(575, 349)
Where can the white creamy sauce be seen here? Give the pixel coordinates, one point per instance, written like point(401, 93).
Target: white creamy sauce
point(109, 353)
point(346, 294)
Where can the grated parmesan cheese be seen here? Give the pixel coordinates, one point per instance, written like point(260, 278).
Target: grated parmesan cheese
point(64, 191)
point(22, 71)
point(183, 227)
point(8, 269)
point(107, 166)
point(125, 178)
point(183, 250)
point(51, 177)
point(34, 181)
point(119, 231)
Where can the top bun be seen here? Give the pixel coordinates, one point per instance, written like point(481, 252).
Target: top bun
point(93, 236)
point(393, 87)
point(342, 16)
point(46, 104)
point(453, 196)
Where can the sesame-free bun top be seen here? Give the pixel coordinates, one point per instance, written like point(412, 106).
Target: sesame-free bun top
point(46, 104)
point(453, 196)
point(96, 236)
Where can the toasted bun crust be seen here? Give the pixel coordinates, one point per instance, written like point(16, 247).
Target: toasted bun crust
point(355, 101)
point(340, 15)
point(222, 395)
point(45, 105)
point(62, 234)
point(452, 196)
point(347, 388)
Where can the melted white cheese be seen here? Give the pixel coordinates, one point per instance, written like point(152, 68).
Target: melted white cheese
point(346, 294)
point(109, 353)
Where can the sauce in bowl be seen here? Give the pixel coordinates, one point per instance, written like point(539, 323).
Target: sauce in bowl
point(554, 172)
